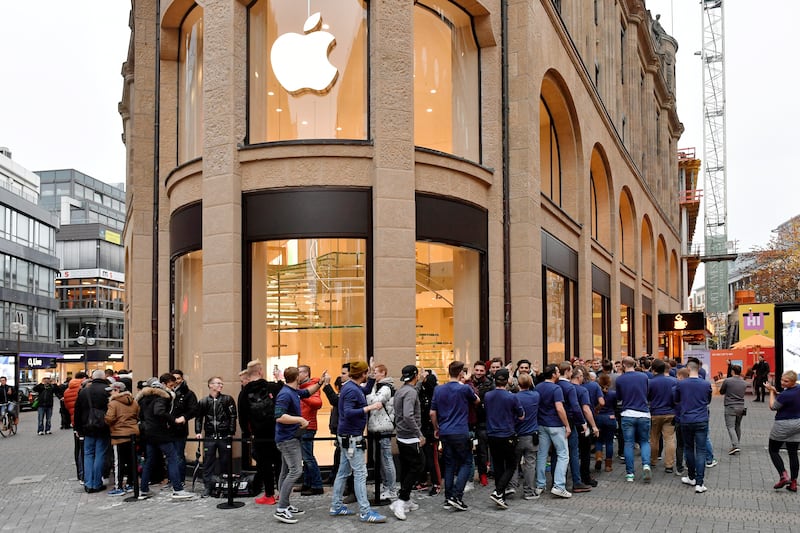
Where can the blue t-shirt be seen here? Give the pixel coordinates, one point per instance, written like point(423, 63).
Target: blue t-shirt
point(502, 413)
point(571, 404)
point(549, 394)
point(595, 393)
point(790, 404)
point(352, 418)
point(611, 400)
point(660, 394)
point(451, 403)
point(692, 396)
point(287, 402)
point(529, 400)
point(632, 391)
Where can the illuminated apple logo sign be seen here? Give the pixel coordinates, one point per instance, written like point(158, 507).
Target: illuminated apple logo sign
point(300, 62)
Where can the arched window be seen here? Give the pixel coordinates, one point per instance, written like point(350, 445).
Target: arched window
point(593, 207)
point(307, 70)
point(446, 80)
point(190, 87)
point(647, 250)
point(550, 154)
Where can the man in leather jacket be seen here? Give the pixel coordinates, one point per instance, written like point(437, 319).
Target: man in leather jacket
point(216, 417)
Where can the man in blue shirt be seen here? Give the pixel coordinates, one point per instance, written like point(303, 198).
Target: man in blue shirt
point(553, 429)
point(527, 435)
point(449, 414)
point(353, 411)
point(289, 425)
point(662, 414)
point(692, 396)
point(503, 410)
point(632, 389)
point(577, 425)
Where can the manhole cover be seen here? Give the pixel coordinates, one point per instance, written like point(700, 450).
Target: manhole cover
point(26, 479)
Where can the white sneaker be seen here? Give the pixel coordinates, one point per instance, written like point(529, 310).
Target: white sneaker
point(411, 505)
point(698, 489)
point(469, 486)
point(688, 481)
point(561, 493)
point(399, 509)
point(182, 495)
point(388, 495)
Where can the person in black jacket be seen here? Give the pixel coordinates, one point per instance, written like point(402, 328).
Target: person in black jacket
point(185, 405)
point(257, 420)
point(47, 392)
point(96, 440)
point(216, 416)
point(158, 421)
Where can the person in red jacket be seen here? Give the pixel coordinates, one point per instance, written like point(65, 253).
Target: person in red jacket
point(70, 396)
point(312, 478)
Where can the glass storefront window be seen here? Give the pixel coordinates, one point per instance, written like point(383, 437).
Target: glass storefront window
point(188, 313)
point(448, 306)
point(190, 88)
point(558, 319)
point(307, 75)
point(600, 306)
point(626, 330)
point(446, 80)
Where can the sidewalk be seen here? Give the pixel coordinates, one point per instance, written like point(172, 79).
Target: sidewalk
point(40, 493)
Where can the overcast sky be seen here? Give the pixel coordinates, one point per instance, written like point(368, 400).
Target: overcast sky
point(60, 84)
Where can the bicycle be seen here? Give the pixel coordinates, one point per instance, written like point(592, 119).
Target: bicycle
point(8, 422)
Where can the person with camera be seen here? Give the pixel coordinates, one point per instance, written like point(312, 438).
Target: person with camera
point(353, 411)
point(216, 417)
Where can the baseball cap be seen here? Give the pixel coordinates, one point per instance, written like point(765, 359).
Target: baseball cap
point(409, 371)
point(501, 375)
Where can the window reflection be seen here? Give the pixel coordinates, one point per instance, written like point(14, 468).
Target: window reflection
point(558, 320)
point(275, 113)
point(600, 307)
point(448, 306)
point(625, 329)
point(188, 313)
point(190, 88)
point(446, 79)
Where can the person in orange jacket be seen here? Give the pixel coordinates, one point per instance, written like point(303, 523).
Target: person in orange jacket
point(312, 478)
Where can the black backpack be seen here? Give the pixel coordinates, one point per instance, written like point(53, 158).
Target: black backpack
point(262, 406)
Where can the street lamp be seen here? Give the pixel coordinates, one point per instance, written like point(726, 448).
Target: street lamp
point(85, 341)
point(20, 329)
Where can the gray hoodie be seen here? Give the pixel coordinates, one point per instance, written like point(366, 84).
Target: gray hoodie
point(407, 413)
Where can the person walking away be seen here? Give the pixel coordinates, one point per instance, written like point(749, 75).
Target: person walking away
point(156, 414)
point(95, 439)
point(589, 431)
point(257, 420)
point(554, 428)
point(215, 422)
point(353, 411)
point(47, 393)
point(185, 406)
point(662, 414)
point(503, 412)
point(693, 395)
point(733, 388)
point(577, 425)
point(289, 426)
point(70, 396)
point(449, 416)
point(607, 422)
point(312, 478)
point(380, 426)
point(122, 418)
point(632, 390)
point(410, 440)
point(786, 429)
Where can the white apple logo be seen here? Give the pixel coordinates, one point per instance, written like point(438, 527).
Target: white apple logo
point(300, 62)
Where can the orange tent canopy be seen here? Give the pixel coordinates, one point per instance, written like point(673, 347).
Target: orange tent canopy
point(755, 340)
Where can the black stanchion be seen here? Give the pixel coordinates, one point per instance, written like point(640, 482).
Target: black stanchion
point(230, 504)
point(135, 471)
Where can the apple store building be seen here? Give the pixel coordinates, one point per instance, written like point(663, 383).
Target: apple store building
point(324, 181)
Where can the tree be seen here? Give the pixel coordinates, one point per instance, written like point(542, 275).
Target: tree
point(775, 271)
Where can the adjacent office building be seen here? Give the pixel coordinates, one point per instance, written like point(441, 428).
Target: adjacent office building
point(29, 268)
point(320, 182)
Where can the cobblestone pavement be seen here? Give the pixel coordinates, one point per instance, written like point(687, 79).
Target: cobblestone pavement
point(40, 493)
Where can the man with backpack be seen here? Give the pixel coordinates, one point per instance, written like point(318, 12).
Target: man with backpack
point(257, 420)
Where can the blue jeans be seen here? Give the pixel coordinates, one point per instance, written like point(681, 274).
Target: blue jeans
point(709, 449)
point(388, 475)
point(574, 454)
point(457, 464)
point(45, 413)
point(557, 436)
point(357, 464)
point(608, 426)
point(636, 431)
point(311, 474)
point(171, 454)
point(695, 437)
point(94, 458)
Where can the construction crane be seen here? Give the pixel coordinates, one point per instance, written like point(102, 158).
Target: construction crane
point(717, 250)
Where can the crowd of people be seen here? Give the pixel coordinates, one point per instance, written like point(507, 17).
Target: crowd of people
point(522, 427)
